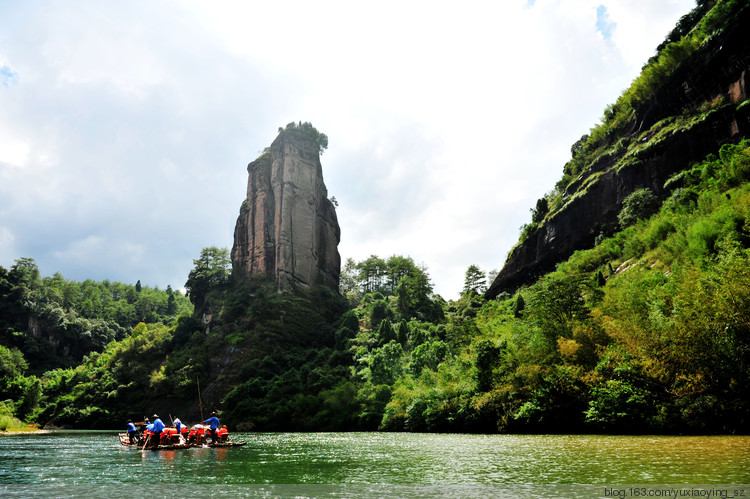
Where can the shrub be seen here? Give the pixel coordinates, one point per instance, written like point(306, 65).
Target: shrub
point(640, 204)
point(658, 232)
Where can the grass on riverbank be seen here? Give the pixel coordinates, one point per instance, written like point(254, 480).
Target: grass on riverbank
point(12, 425)
point(9, 423)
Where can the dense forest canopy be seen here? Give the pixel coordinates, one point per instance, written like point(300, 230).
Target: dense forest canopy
point(648, 330)
point(52, 323)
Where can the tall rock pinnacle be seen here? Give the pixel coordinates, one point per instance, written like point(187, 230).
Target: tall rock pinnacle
point(287, 229)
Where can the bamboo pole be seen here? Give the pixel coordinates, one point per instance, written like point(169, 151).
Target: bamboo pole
point(200, 402)
point(147, 439)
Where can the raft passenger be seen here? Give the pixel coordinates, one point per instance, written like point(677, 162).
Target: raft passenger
point(156, 429)
point(132, 432)
point(214, 426)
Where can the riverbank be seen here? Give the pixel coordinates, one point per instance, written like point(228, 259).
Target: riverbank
point(18, 431)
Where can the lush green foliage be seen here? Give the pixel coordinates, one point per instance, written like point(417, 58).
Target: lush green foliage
point(19, 394)
point(641, 203)
point(619, 139)
point(390, 288)
point(8, 420)
point(211, 270)
point(54, 323)
point(475, 281)
point(649, 331)
point(306, 129)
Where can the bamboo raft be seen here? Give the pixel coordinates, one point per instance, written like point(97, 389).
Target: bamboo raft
point(124, 440)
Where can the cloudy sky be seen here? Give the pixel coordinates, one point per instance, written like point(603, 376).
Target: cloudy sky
point(126, 127)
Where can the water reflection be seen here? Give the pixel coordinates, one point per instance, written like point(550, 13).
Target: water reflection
point(376, 458)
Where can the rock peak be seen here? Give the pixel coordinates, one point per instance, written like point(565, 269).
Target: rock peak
point(287, 228)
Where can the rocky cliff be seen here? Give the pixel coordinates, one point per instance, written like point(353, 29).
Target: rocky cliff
point(287, 229)
point(667, 134)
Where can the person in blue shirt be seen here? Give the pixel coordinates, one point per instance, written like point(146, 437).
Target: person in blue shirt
point(156, 429)
point(132, 432)
point(214, 426)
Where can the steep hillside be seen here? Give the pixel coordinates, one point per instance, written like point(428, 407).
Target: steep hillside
point(647, 329)
point(689, 100)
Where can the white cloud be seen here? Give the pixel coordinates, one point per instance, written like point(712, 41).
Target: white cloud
point(134, 122)
point(14, 151)
point(83, 250)
point(7, 245)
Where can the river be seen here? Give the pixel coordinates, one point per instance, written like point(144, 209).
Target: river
point(73, 463)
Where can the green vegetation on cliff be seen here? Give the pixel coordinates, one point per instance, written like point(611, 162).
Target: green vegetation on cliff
point(50, 324)
point(648, 112)
point(647, 330)
point(307, 130)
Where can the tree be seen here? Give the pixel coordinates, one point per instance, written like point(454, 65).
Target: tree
point(171, 302)
point(12, 363)
point(348, 277)
point(542, 207)
point(640, 204)
point(386, 365)
point(386, 333)
point(492, 275)
point(371, 274)
point(403, 332)
point(414, 298)
point(576, 148)
point(485, 361)
point(380, 311)
point(475, 280)
point(211, 270)
point(398, 267)
point(25, 272)
point(518, 305)
point(554, 303)
point(427, 355)
point(308, 130)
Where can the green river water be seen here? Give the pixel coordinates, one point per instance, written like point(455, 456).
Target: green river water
point(78, 463)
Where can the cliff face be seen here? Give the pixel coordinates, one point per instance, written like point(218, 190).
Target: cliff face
point(287, 228)
point(718, 72)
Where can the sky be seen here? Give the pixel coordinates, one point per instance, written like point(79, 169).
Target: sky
point(126, 127)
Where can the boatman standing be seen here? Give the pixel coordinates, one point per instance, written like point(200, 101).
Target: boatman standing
point(145, 425)
point(214, 425)
point(132, 432)
point(156, 431)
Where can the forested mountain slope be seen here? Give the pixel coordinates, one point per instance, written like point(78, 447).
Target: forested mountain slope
point(688, 101)
point(624, 308)
point(53, 323)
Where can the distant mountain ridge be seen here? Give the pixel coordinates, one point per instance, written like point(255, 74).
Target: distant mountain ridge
point(700, 106)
